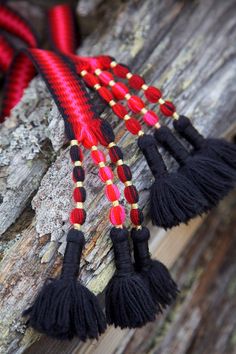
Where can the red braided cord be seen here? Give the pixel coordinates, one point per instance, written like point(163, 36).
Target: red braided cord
point(116, 213)
point(62, 28)
point(20, 74)
point(72, 100)
point(13, 23)
point(21, 71)
point(7, 53)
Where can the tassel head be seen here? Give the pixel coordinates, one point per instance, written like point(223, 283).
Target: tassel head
point(128, 301)
point(173, 197)
point(162, 287)
point(64, 308)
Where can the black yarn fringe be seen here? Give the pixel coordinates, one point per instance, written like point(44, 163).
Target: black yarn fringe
point(64, 308)
point(162, 287)
point(219, 149)
point(213, 178)
point(128, 300)
point(173, 197)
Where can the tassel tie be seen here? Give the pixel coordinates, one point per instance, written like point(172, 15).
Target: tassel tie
point(218, 149)
point(173, 197)
point(212, 178)
point(128, 300)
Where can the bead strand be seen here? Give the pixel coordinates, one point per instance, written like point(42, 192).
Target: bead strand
point(78, 214)
point(117, 211)
point(132, 124)
point(152, 93)
point(130, 191)
point(135, 103)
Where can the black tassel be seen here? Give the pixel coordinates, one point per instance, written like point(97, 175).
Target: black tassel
point(162, 287)
point(64, 308)
point(219, 149)
point(128, 300)
point(173, 197)
point(212, 177)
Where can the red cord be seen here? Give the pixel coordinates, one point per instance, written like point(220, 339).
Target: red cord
point(7, 53)
point(62, 29)
point(14, 24)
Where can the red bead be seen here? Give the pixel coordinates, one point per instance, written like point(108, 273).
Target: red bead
point(167, 108)
point(117, 215)
point(77, 216)
point(135, 104)
point(112, 192)
point(90, 140)
point(105, 77)
point(119, 90)
point(105, 173)
point(150, 118)
point(136, 82)
point(78, 174)
point(79, 194)
point(120, 70)
point(133, 126)
point(131, 194)
point(98, 156)
point(124, 173)
point(119, 110)
point(136, 216)
point(105, 61)
point(105, 93)
point(115, 154)
point(76, 153)
point(90, 80)
point(153, 94)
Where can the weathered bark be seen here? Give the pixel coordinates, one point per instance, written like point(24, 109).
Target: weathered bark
point(179, 46)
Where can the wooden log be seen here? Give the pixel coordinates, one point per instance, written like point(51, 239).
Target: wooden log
point(203, 320)
point(179, 46)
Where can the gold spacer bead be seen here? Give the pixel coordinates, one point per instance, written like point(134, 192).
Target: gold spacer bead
point(109, 181)
point(94, 147)
point(134, 206)
point(119, 226)
point(112, 103)
point(128, 183)
point(79, 205)
point(111, 145)
point(78, 163)
point(98, 72)
point(74, 142)
point(175, 115)
point(129, 75)
point(83, 72)
point(127, 117)
point(140, 133)
point(157, 125)
point(127, 96)
point(144, 110)
point(101, 164)
point(77, 226)
point(79, 184)
point(144, 87)
point(161, 101)
point(111, 83)
point(113, 64)
point(115, 203)
point(97, 86)
point(119, 162)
